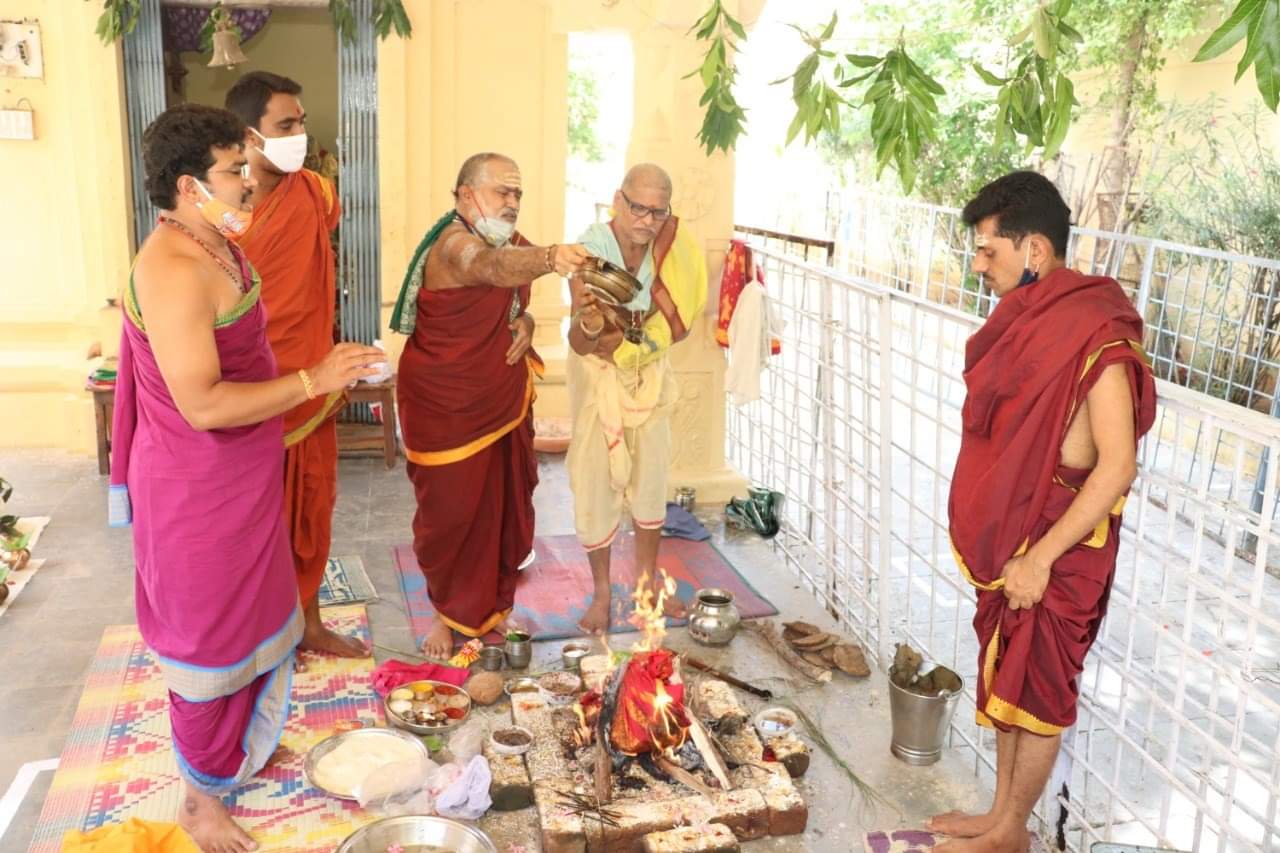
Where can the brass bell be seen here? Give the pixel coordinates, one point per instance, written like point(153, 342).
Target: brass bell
point(226, 44)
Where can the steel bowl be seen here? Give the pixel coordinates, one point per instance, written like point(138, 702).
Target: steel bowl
point(492, 658)
point(329, 744)
point(503, 749)
point(572, 653)
point(411, 830)
point(610, 283)
point(768, 726)
point(525, 684)
point(555, 697)
point(418, 728)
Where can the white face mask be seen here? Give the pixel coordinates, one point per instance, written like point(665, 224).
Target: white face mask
point(492, 229)
point(286, 153)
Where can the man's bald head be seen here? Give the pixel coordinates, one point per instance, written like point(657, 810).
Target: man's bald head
point(647, 176)
point(479, 169)
point(643, 204)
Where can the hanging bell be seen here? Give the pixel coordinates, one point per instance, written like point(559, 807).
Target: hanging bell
point(226, 45)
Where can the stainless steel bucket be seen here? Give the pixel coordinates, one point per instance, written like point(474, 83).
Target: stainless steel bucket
point(920, 723)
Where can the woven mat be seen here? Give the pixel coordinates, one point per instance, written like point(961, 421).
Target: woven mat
point(346, 582)
point(552, 594)
point(117, 762)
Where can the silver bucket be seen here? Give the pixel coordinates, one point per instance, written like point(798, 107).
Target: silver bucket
point(920, 723)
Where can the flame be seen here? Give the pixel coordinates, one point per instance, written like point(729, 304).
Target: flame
point(666, 730)
point(582, 735)
point(649, 614)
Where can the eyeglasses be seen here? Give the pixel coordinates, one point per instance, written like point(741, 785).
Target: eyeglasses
point(639, 211)
point(244, 173)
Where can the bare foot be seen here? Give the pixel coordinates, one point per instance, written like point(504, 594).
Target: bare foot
point(961, 824)
point(1000, 839)
point(438, 644)
point(282, 755)
point(673, 608)
point(206, 820)
point(318, 638)
point(596, 619)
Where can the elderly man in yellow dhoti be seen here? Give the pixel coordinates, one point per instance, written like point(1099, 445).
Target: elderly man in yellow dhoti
point(621, 386)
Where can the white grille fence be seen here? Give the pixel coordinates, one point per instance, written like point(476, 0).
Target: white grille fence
point(1178, 739)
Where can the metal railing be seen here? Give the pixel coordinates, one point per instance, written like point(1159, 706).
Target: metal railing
point(1213, 318)
point(792, 243)
point(1178, 737)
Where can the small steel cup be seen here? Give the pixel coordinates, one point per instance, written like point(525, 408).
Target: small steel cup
point(519, 649)
point(572, 653)
point(491, 658)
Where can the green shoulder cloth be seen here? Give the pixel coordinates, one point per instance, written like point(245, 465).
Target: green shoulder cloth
point(405, 315)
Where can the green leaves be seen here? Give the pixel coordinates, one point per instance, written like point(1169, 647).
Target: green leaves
point(904, 113)
point(902, 98)
point(388, 15)
point(1258, 22)
point(118, 19)
point(1035, 101)
point(723, 118)
point(217, 14)
point(817, 103)
point(1234, 28)
point(385, 15)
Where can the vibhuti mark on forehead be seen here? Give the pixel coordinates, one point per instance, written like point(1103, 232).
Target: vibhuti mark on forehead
point(980, 240)
point(509, 179)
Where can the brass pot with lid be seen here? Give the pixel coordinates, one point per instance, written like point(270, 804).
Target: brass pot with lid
point(609, 283)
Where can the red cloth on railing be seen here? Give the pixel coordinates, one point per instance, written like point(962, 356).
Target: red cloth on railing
point(739, 271)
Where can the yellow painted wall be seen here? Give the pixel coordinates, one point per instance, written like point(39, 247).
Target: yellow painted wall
point(64, 227)
point(494, 76)
point(1187, 81)
point(477, 75)
point(298, 43)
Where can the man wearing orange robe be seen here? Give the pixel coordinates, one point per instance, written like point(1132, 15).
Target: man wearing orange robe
point(295, 211)
point(1058, 394)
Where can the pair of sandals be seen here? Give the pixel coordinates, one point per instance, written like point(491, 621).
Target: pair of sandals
point(760, 511)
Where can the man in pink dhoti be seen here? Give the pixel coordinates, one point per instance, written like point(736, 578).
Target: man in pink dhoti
point(197, 467)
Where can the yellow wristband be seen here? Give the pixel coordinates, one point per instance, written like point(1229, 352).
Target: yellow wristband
point(306, 384)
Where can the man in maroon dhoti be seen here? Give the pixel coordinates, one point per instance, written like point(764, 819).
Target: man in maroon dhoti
point(1059, 392)
point(465, 394)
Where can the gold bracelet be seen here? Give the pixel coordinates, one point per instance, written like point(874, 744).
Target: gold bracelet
point(306, 384)
point(551, 264)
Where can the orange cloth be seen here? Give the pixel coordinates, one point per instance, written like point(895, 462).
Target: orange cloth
point(289, 244)
point(310, 493)
point(132, 836)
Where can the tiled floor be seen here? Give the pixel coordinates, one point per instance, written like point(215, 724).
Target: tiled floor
point(48, 638)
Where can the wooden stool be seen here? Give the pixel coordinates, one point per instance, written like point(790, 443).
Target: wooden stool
point(383, 393)
point(104, 403)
